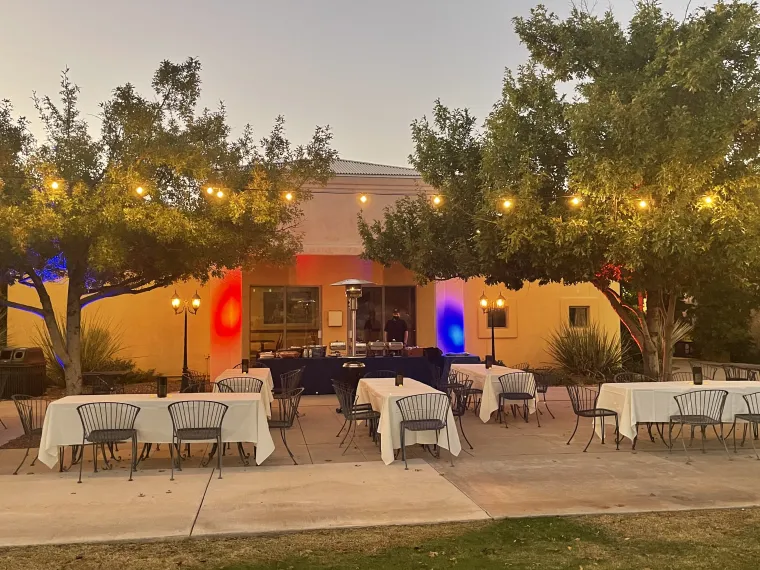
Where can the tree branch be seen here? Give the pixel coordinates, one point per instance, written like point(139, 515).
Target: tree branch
point(21, 306)
point(115, 291)
point(623, 311)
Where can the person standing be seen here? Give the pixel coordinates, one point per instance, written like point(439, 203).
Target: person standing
point(396, 329)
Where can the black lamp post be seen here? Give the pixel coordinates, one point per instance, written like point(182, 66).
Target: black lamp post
point(183, 307)
point(489, 308)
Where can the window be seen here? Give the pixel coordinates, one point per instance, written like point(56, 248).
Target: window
point(283, 316)
point(579, 316)
point(376, 306)
point(498, 318)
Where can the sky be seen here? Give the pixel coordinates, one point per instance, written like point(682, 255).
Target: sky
point(367, 69)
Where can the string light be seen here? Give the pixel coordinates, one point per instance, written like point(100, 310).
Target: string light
point(436, 200)
point(220, 194)
point(209, 190)
point(289, 196)
point(708, 200)
point(139, 190)
point(54, 185)
point(363, 199)
point(507, 203)
point(575, 201)
point(643, 204)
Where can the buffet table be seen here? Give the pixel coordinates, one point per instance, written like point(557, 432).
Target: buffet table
point(319, 373)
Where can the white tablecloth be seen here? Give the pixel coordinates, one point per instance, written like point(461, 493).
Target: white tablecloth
point(245, 421)
point(382, 394)
point(644, 402)
point(263, 374)
point(488, 381)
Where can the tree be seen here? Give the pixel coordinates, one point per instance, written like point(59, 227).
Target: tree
point(164, 194)
point(646, 176)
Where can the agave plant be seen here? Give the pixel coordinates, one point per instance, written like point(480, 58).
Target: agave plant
point(102, 342)
point(587, 350)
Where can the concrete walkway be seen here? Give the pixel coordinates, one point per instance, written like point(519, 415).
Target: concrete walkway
point(524, 470)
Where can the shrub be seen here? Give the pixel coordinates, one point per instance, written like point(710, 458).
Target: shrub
point(587, 350)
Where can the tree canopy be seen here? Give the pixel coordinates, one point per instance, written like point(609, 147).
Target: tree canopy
point(615, 155)
point(163, 194)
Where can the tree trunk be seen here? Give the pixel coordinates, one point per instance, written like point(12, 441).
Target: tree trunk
point(651, 357)
point(73, 371)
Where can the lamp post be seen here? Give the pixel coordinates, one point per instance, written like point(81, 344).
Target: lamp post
point(489, 308)
point(183, 307)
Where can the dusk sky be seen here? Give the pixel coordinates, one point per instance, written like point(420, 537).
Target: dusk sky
point(365, 68)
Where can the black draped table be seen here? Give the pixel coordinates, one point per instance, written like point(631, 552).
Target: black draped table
point(320, 372)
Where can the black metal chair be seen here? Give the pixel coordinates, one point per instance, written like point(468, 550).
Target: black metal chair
point(458, 389)
point(286, 416)
point(380, 374)
point(751, 418)
point(353, 412)
point(289, 381)
point(197, 385)
point(102, 383)
point(108, 423)
point(196, 420)
point(628, 377)
point(521, 366)
point(583, 400)
point(517, 387)
point(31, 412)
point(699, 408)
point(740, 373)
point(424, 412)
point(543, 377)
point(240, 384)
point(708, 370)
point(474, 395)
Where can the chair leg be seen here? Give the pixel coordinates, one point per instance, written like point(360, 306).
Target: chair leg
point(723, 441)
point(448, 444)
point(602, 419)
point(348, 430)
point(403, 447)
point(527, 411)
point(171, 457)
point(341, 428)
point(95, 457)
point(81, 463)
point(734, 430)
point(498, 414)
point(285, 441)
point(353, 434)
point(3, 423)
point(752, 440)
point(219, 455)
point(577, 419)
point(134, 456)
point(22, 461)
point(618, 437)
point(670, 437)
point(704, 438)
point(464, 435)
point(744, 434)
point(593, 432)
point(683, 441)
point(547, 407)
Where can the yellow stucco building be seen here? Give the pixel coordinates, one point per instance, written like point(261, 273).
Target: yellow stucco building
point(255, 308)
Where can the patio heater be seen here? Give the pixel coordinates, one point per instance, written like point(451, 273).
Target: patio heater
point(353, 293)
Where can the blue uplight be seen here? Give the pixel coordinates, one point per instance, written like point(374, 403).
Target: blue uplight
point(450, 327)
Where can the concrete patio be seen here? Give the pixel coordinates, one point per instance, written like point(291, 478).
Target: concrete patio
point(522, 470)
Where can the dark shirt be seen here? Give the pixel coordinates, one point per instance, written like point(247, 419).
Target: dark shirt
point(395, 329)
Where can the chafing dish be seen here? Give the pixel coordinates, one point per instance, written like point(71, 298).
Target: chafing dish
point(396, 347)
point(376, 347)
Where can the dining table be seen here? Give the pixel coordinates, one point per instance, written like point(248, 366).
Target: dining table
point(382, 394)
point(487, 379)
point(244, 422)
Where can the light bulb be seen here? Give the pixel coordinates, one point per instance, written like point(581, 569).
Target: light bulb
point(436, 200)
point(54, 185)
point(643, 204)
point(507, 203)
point(709, 200)
point(220, 194)
point(139, 190)
point(288, 196)
point(363, 199)
point(575, 201)
point(209, 190)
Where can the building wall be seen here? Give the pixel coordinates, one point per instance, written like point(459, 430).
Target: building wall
point(151, 333)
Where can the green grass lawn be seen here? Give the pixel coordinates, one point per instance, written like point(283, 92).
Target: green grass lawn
point(657, 541)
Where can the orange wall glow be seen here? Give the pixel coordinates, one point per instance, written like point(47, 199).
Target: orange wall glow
point(226, 321)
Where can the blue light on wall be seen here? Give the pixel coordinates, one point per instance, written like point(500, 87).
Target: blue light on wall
point(450, 320)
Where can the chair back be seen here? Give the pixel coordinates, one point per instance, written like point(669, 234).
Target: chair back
point(107, 416)
point(241, 384)
point(346, 393)
point(428, 406)
point(582, 398)
point(702, 403)
point(708, 370)
point(518, 383)
point(380, 374)
point(521, 366)
point(458, 390)
point(290, 381)
point(628, 377)
point(288, 408)
point(3, 382)
point(257, 364)
point(739, 372)
point(197, 414)
point(31, 412)
point(753, 403)
point(197, 386)
point(681, 377)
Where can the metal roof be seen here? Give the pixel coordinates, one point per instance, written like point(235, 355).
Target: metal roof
point(343, 167)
